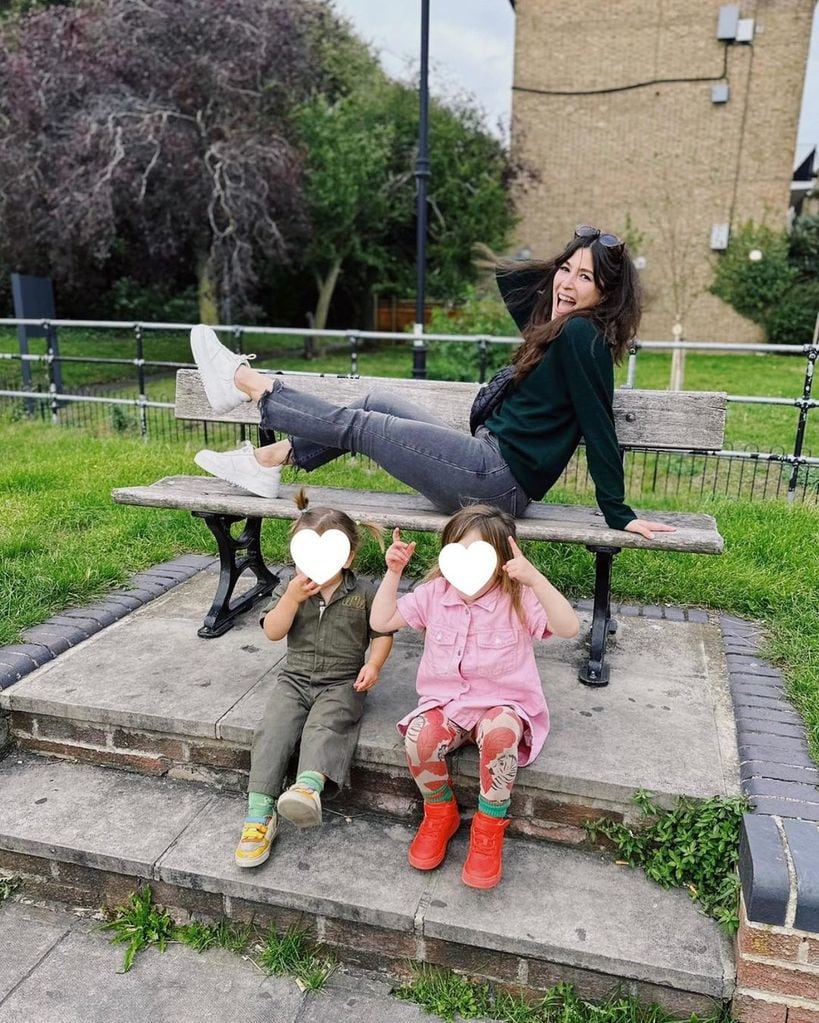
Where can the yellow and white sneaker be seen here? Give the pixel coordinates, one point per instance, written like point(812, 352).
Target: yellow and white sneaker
point(301, 806)
point(254, 845)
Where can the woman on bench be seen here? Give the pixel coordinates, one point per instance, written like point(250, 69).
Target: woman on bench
point(577, 313)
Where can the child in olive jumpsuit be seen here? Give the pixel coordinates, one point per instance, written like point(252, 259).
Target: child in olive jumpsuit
point(318, 698)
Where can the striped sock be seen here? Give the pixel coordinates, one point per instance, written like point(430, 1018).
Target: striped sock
point(259, 805)
point(493, 809)
point(311, 780)
point(443, 794)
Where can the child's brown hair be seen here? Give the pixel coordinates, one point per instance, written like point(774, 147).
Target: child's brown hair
point(495, 527)
point(322, 519)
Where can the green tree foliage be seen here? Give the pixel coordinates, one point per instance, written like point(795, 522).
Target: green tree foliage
point(351, 189)
point(780, 290)
point(469, 199)
point(481, 313)
point(359, 187)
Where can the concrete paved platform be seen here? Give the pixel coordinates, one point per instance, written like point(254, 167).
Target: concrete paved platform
point(664, 723)
point(64, 825)
point(177, 986)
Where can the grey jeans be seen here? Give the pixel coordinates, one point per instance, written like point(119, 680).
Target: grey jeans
point(448, 467)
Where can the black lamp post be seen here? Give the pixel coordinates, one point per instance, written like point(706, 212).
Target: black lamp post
point(419, 351)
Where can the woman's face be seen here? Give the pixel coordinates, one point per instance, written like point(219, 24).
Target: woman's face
point(574, 286)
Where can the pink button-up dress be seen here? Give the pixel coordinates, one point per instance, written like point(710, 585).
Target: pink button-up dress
point(478, 656)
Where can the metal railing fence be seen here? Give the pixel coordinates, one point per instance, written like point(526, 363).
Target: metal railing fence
point(761, 473)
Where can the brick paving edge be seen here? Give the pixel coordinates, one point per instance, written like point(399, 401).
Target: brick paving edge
point(47, 640)
point(779, 846)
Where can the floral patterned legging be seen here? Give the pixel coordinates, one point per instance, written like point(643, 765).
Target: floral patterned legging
point(431, 735)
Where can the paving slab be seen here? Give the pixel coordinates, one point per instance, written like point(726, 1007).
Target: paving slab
point(664, 723)
point(92, 816)
point(175, 986)
point(334, 1006)
point(352, 868)
point(152, 671)
point(548, 906)
point(31, 933)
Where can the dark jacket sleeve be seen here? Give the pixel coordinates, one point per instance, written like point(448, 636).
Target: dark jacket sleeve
point(519, 291)
point(587, 368)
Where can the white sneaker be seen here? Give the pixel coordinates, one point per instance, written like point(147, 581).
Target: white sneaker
point(217, 366)
point(301, 806)
point(241, 468)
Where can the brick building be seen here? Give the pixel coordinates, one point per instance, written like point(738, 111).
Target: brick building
point(636, 113)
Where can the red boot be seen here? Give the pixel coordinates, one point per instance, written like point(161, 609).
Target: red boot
point(428, 848)
point(484, 861)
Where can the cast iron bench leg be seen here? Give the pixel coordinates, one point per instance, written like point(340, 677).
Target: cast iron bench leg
point(233, 563)
point(596, 672)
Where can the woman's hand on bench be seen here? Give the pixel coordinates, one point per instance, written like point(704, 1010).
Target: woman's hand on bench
point(647, 529)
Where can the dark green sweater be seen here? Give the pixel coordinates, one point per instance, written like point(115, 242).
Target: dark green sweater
point(567, 396)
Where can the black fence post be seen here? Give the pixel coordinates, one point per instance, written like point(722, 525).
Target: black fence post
point(139, 361)
point(483, 359)
point(51, 355)
point(804, 404)
point(353, 342)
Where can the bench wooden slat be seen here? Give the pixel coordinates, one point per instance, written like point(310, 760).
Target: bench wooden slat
point(654, 419)
point(696, 534)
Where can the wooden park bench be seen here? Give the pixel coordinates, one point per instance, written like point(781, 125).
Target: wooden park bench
point(682, 421)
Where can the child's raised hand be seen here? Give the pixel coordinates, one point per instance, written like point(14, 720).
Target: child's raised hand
point(300, 588)
point(398, 553)
point(367, 678)
point(519, 568)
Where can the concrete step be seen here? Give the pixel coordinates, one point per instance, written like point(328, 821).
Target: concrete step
point(149, 695)
point(89, 836)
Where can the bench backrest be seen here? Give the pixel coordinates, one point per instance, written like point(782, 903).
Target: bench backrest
point(686, 420)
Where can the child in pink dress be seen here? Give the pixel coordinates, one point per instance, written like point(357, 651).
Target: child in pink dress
point(477, 681)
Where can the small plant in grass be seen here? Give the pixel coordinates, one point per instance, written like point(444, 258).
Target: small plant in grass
point(8, 886)
point(694, 846)
point(139, 925)
point(122, 421)
point(292, 953)
point(446, 994)
point(224, 934)
point(451, 996)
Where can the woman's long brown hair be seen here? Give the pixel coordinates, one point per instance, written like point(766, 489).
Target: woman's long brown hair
point(617, 316)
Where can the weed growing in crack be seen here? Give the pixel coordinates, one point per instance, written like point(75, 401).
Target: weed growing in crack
point(694, 846)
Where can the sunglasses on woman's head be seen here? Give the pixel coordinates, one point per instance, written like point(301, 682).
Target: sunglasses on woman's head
point(609, 241)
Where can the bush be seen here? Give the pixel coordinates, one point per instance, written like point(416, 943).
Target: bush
point(793, 320)
point(754, 288)
point(481, 315)
point(780, 291)
point(803, 250)
point(151, 303)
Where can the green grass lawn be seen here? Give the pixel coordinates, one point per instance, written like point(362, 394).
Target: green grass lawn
point(63, 542)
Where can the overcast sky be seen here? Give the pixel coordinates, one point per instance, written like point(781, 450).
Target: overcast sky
point(472, 46)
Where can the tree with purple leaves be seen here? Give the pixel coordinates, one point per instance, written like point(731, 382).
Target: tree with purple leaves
point(157, 133)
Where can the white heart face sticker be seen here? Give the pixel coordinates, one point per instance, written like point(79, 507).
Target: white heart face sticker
point(319, 556)
point(468, 568)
